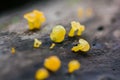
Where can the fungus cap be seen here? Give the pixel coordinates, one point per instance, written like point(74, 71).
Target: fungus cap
point(84, 45)
point(13, 50)
point(73, 66)
point(58, 34)
point(41, 74)
point(35, 19)
point(76, 26)
point(52, 63)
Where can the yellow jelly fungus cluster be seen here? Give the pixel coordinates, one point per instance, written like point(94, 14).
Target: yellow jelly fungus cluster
point(37, 43)
point(35, 19)
point(58, 34)
point(41, 74)
point(13, 50)
point(82, 46)
point(52, 46)
point(76, 26)
point(73, 66)
point(52, 63)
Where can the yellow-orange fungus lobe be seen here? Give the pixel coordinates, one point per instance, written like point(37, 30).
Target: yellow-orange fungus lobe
point(76, 26)
point(80, 12)
point(41, 74)
point(35, 19)
point(52, 63)
point(82, 46)
point(58, 34)
point(13, 50)
point(89, 12)
point(73, 66)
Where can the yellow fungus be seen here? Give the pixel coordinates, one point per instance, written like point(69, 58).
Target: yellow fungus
point(52, 63)
point(80, 12)
point(76, 26)
point(52, 46)
point(13, 50)
point(75, 48)
point(82, 46)
point(41, 74)
point(37, 43)
point(58, 34)
point(89, 12)
point(73, 66)
point(35, 19)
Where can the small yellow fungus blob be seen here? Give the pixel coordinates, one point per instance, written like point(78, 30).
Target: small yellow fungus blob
point(89, 12)
point(73, 66)
point(41, 74)
point(52, 63)
point(52, 46)
point(76, 26)
point(13, 50)
point(35, 19)
point(37, 43)
point(76, 48)
point(82, 46)
point(80, 12)
point(58, 34)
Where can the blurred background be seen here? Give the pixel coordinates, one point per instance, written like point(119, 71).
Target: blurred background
point(55, 10)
